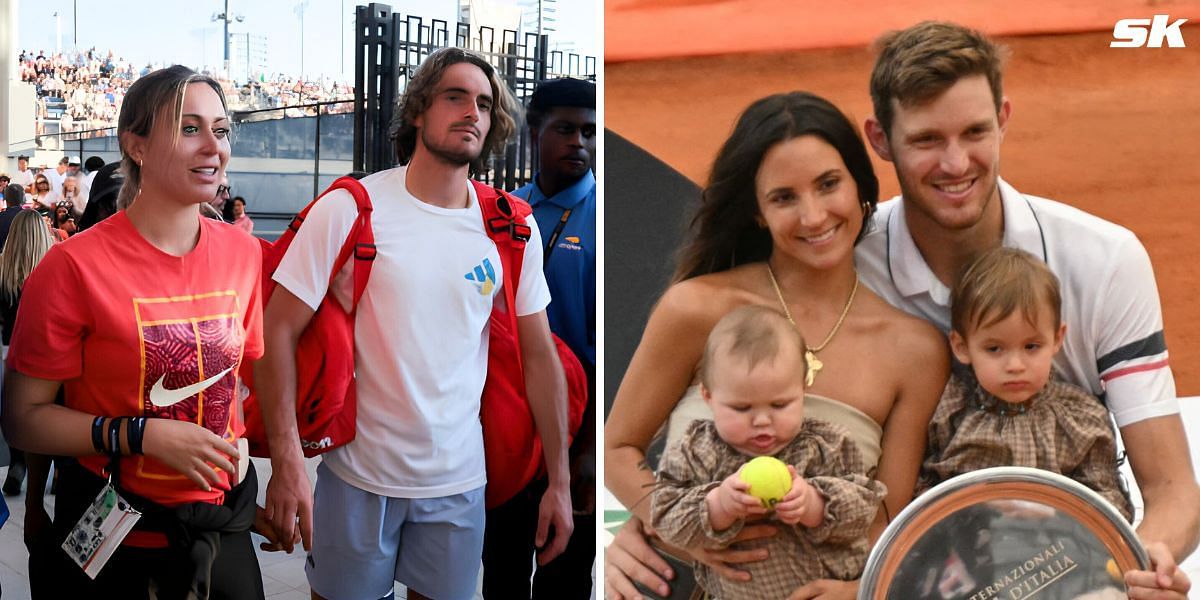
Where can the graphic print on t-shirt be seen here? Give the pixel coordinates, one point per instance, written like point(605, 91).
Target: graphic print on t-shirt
point(484, 277)
point(190, 346)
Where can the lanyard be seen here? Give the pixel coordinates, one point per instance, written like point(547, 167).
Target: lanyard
point(554, 236)
point(562, 222)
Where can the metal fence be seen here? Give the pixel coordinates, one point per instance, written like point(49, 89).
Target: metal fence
point(283, 157)
point(390, 47)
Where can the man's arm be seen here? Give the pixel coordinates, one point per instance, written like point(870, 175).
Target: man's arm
point(289, 493)
point(546, 389)
point(1140, 391)
point(1158, 452)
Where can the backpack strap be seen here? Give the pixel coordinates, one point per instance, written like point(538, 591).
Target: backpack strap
point(504, 220)
point(360, 241)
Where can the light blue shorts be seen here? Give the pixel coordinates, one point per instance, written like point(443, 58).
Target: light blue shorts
point(362, 542)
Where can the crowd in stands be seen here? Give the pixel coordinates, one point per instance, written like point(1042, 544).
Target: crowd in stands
point(83, 90)
point(283, 91)
point(61, 195)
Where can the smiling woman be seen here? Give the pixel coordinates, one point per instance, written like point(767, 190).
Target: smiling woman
point(143, 323)
point(789, 196)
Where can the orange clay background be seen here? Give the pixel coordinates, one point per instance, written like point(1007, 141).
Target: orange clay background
point(1113, 131)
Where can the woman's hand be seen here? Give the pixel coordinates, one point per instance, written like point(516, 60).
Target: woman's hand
point(725, 561)
point(192, 450)
point(630, 558)
point(262, 526)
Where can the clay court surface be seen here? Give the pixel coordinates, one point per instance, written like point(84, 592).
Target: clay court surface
point(1115, 132)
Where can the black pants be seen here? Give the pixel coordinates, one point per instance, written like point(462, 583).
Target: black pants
point(508, 551)
point(130, 571)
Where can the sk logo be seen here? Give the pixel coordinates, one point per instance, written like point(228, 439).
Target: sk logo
point(1147, 33)
point(484, 277)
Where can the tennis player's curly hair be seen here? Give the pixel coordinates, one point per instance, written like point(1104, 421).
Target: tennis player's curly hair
point(419, 94)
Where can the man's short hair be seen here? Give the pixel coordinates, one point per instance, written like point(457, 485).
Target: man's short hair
point(14, 194)
point(555, 93)
point(93, 164)
point(997, 284)
point(754, 334)
point(917, 64)
point(64, 161)
point(23, 157)
point(419, 94)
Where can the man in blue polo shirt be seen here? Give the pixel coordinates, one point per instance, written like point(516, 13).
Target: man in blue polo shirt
point(562, 125)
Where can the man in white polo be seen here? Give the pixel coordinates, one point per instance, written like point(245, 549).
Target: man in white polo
point(940, 116)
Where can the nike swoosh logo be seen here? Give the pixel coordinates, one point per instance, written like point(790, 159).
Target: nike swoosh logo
point(162, 397)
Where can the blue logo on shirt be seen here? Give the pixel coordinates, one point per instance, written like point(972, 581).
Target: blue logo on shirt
point(484, 277)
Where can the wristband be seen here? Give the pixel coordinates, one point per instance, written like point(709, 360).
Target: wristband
point(98, 434)
point(133, 434)
point(114, 441)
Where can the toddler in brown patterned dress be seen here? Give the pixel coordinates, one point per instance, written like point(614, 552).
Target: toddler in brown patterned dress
point(752, 376)
point(1004, 408)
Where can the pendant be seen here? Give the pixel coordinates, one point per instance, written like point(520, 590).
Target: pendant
point(814, 367)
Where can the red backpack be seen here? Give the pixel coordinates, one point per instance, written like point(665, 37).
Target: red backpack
point(325, 390)
point(512, 446)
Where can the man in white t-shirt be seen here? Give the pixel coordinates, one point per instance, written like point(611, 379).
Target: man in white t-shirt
point(24, 175)
point(404, 501)
point(940, 115)
point(58, 175)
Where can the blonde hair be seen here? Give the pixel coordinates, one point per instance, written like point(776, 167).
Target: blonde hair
point(149, 96)
point(28, 241)
point(754, 334)
point(997, 284)
point(919, 63)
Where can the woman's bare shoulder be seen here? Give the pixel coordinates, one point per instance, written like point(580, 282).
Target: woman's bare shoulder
point(709, 296)
point(915, 340)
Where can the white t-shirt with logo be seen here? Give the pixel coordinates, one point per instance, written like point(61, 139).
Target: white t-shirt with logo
point(421, 333)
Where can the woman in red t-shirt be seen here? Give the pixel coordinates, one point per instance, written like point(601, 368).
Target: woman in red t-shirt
point(143, 321)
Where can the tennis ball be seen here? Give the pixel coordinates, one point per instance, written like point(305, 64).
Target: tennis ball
point(768, 477)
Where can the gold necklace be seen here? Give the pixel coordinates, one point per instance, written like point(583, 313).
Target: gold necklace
point(810, 352)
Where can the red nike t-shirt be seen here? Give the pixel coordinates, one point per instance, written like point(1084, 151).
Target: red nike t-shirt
point(133, 331)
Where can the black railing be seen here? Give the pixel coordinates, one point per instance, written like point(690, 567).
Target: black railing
point(390, 47)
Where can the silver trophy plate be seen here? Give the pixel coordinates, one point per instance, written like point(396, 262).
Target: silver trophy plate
point(1005, 533)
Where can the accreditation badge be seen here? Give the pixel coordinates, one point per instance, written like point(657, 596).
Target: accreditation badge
point(1005, 533)
point(100, 531)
